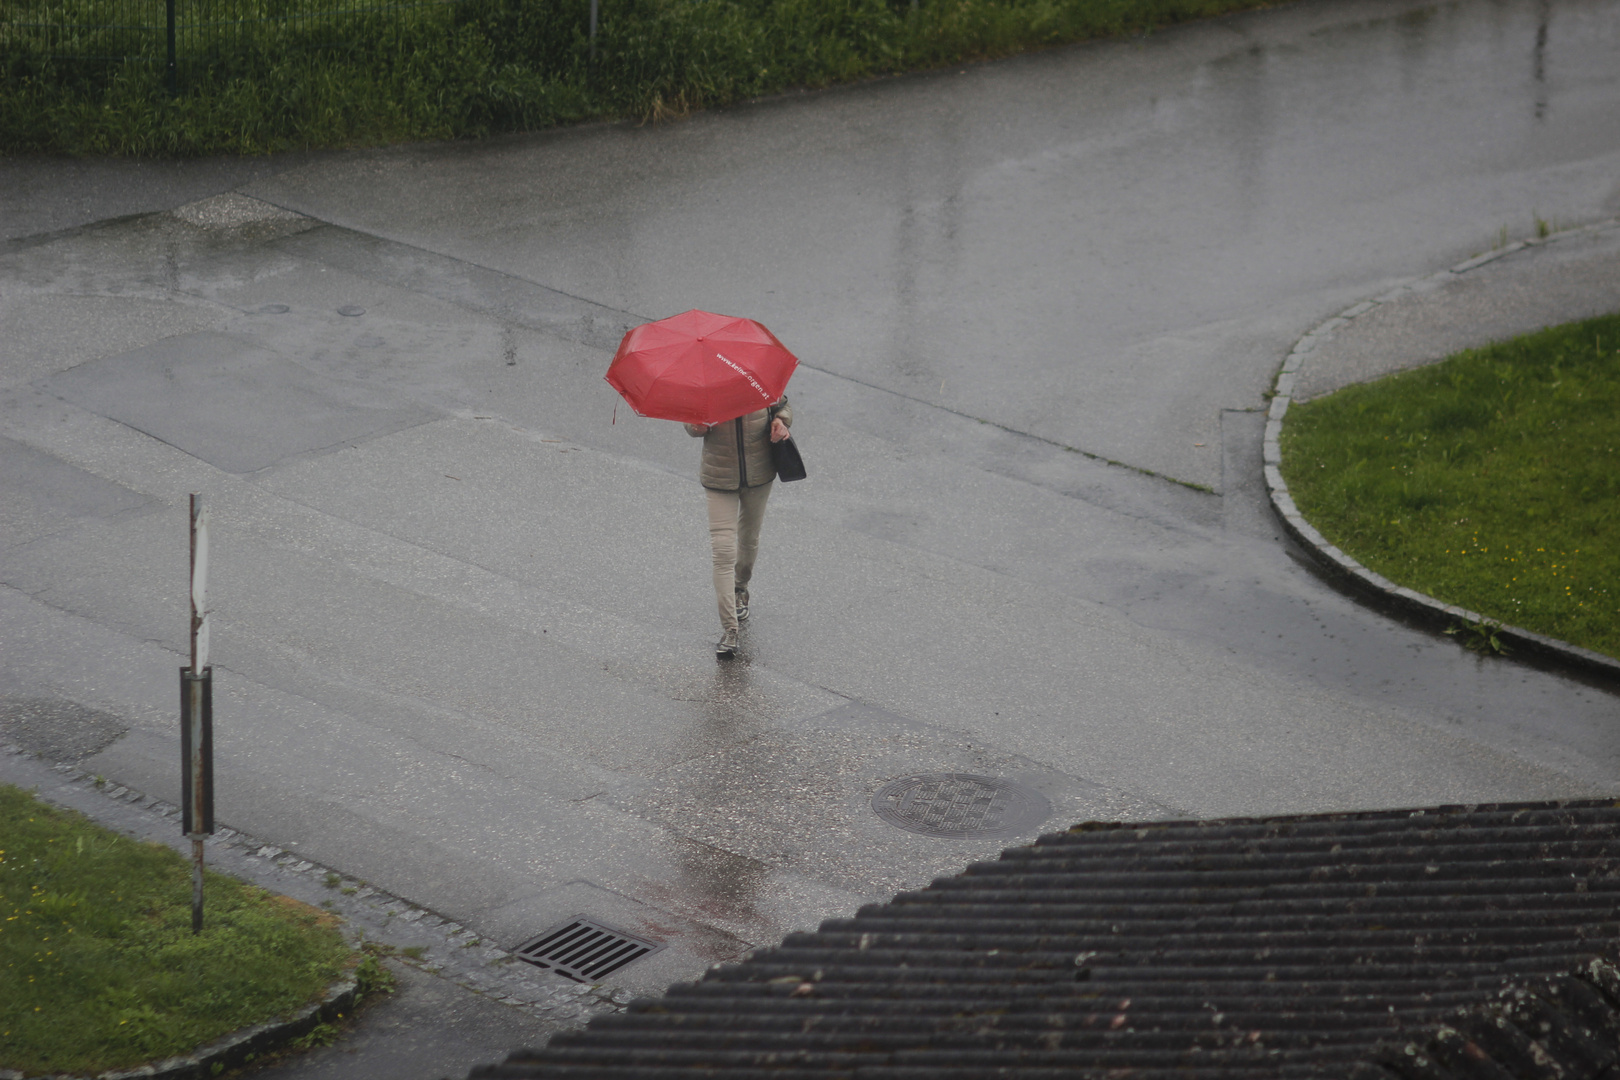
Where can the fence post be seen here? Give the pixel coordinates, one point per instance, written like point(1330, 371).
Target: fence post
point(174, 78)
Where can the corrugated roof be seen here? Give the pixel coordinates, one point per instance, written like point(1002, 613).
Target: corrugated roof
point(1461, 941)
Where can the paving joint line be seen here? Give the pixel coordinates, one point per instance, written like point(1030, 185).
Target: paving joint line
point(411, 934)
point(1345, 570)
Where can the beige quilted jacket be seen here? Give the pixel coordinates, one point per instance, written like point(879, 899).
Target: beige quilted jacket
point(737, 453)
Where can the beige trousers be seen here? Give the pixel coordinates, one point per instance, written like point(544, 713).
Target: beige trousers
point(734, 521)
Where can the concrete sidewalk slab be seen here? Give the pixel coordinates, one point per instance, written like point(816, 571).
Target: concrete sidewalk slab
point(427, 1028)
point(1563, 278)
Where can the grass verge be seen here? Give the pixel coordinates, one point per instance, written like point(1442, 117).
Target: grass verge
point(1490, 480)
point(257, 81)
point(99, 968)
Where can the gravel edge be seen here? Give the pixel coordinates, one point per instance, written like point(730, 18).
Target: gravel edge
point(1346, 571)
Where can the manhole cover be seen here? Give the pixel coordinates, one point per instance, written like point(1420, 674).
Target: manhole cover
point(351, 310)
point(585, 950)
point(960, 805)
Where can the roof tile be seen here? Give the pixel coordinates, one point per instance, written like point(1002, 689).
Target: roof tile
point(1436, 944)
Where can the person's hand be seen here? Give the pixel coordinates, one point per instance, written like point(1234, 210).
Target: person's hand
point(703, 427)
point(779, 430)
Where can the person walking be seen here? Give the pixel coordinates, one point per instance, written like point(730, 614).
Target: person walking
point(694, 368)
point(736, 473)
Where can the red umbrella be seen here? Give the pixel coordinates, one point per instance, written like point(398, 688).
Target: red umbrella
point(700, 368)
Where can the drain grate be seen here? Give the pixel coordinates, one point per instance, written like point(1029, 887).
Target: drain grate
point(585, 950)
point(960, 805)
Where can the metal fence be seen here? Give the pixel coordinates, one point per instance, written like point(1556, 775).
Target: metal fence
point(102, 34)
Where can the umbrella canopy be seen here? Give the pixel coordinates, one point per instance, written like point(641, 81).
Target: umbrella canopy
point(700, 368)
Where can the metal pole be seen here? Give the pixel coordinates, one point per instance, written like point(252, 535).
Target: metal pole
point(593, 29)
point(174, 78)
point(197, 775)
point(196, 884)
point(197, 717)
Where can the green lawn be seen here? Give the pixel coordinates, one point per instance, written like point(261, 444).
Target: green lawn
point(342, 72)
point(99, 968)
point(1490, 480)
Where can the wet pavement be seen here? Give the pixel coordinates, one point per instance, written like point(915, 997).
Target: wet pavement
point(462, 616)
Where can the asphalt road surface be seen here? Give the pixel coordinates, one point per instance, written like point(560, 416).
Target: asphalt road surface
point(463, 623)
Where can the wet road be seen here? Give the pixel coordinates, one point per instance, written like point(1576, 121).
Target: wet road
point(1102, 247)
point(462, 616)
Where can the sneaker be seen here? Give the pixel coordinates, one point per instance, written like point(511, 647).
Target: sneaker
point(742, 604)
point(726, 647)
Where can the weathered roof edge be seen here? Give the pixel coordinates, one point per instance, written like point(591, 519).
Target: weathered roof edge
point(1460, 871)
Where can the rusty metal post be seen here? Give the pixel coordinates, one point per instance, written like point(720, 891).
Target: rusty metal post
point(197, 776)
point(196, 885)
point(197, 717)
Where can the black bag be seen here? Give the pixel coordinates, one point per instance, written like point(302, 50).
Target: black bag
point(785, 456)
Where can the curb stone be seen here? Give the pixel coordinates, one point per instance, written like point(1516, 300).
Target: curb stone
point(437, 945)
point(1347, 571)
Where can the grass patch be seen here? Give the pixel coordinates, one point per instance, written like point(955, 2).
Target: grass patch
point(1490, 480)
point(99, 968)
point(255, 80)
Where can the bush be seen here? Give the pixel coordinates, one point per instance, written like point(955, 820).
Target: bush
point(254, 79)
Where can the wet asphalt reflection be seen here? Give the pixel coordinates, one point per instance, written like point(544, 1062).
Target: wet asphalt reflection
point(462, 610)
